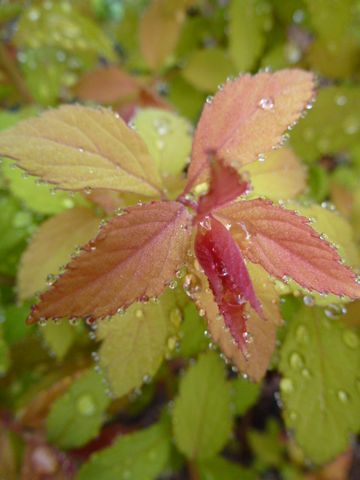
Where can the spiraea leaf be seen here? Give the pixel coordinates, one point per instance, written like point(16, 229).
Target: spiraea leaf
point(133, 258)
point(285, 244)
point(247, 118)
point(80, 148)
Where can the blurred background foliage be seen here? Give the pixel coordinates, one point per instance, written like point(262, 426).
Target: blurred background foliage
point(135, 416)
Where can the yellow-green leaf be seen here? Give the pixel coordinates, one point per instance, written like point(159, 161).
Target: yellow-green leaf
point(79, 148)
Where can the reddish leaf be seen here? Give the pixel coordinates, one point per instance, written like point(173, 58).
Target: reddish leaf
point(132, 258)
point(229, 280)
point(247, 118)
point(226, 185)
point(285, 245)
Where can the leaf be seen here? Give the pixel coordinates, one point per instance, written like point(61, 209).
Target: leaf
point(59, 337)
point(249, 21)
point(320, 362)
point(229, 280)
point(286, 246)
point(142, 456)
point(247, 118)
point(61, 27)
point(159, 30)
point(14, 326)
point(133, 258)
point(267, 446)
point(4, 356)
point(38, 197)
point(245, 395)
point(133, 344)
point(332, 125)
point(51, 248)
point(280, 176)
point(261, 332)
point(201, 415)
point(107, 85)
point(218, 467)
point(192, 333)
point(76, 417)
point(200, 72)
point(81, 148)
point(168, 138)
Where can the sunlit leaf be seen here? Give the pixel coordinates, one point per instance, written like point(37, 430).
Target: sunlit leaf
point(76, 416)
point(219, 467)
point(51, 248)
point(247, 118)
point(168, 138)
point(245, 394)
point(201, 415)
point(142, 456)
point(133, 258)
point(59, 337)
point(249, 20)
point(200, 71)
point(286, 246)
point(320, 363)
point(82, 148)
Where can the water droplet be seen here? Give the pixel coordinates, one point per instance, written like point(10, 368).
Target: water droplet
point(205, 223)
point(335, 311)
point(309, 300)
point(296, 361)
point(306, 373)
point(261, 157)
point(266, 103)
point(172, 284)
point(51, 279)
point(350, 338)
point(42, 321)
point(340, 100)
point(34, 14)
point(209, 99)
point(191, 285)
point(286, 385)
point(351, 125)
point(343, 396)
point(87, 190)
point(147, 378)
point(176, 317)
point(139, 313)
point(302, 334)
point(86, 405)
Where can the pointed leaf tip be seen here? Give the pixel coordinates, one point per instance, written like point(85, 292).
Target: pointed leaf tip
point(133, 258)
point(248, 117)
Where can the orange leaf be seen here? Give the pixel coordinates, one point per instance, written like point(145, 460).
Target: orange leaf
point(133, 258)
point(247, 117)
point(286, 246)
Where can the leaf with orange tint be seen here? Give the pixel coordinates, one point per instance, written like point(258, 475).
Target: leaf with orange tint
point(51, 247)
point(160, 29)
point(79, 148)
point(262, 331)
point(247, 118)
point(280, 176)
point(107, 85)
point(133, 258)
point(286, 246)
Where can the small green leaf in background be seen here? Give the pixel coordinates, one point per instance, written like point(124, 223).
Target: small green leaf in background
point(14, 326)
point(208, 68)
point(245, 395)
point(59, 337)
point(320, 388)
point(168, 138)
point(249, 22)
point(202, 415)
point(267, 446)
point(76, 417)
point(219, 468)
point(192, 333)
point(133, 346)
point(139, 456)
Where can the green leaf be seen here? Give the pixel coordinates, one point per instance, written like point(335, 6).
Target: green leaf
point(320, 388)
point(142, 456)
point(245, 395)
point(219, 468)
point(4, 356)
point(200, 70)
point(201, 415)
point(331, 126)
point(192, 333)
point(37, 197)
point(14, 326)
point(267, 446)
point(133, 344)
point(59, 25)
point(249, 20)
point(76, 417)
point(59, 337)
point(168, 138)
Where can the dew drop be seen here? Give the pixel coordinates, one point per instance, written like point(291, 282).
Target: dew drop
point(205, 223)
point(340, 100)
point(286, 385)
point(343, 396)
point(302, 334)
point(306, 373)
point(296, 361)
point(147, 379)
point(172, 284)
point(86, 405)
point(266, 103)
point(191, 285)
point(350, 339)
point(209, 99)
point(261, 157)
point(335, 311)
point(309, 300)
point(139, 313)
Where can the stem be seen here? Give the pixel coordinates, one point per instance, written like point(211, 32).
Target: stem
point(13, 74)
point(193, 471)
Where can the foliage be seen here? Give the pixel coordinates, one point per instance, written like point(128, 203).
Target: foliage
point(191, 256)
